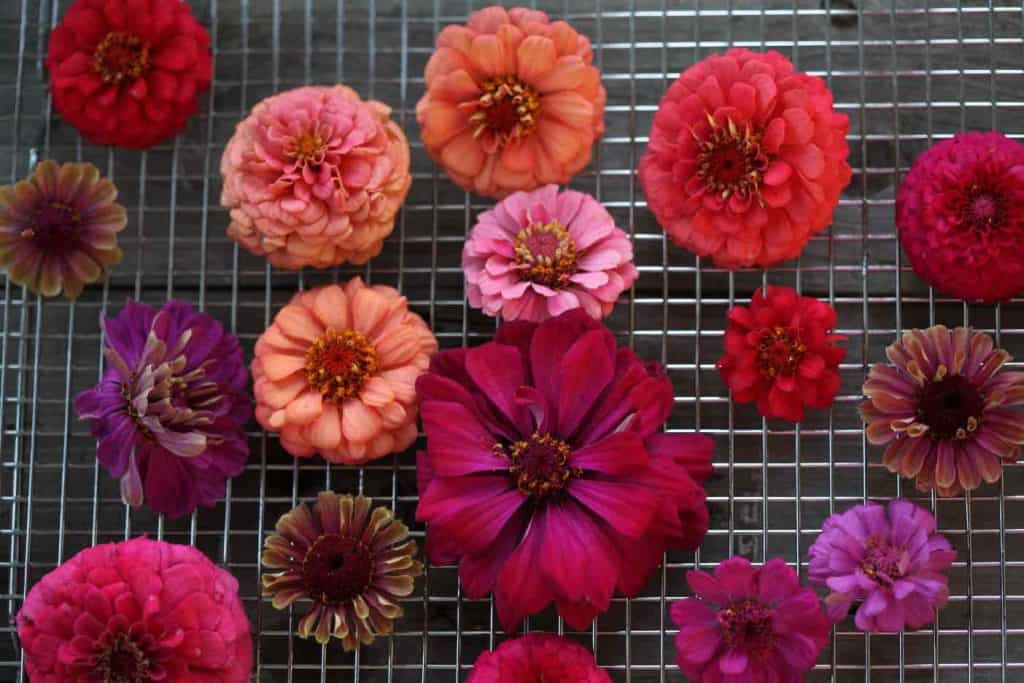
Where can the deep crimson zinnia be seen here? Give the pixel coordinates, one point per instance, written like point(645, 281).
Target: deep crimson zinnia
point(128, 72)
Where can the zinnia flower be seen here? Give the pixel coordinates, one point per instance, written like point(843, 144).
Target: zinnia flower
point(781, 352)
point(58, 228)
point(950, 417)
point(513, 102)
point(960, 213)
point(545, 476)
point(537, 658)
point(169, 411)
point(540, 253)
point(128, 72)
point(747, 159)
point(314, 177)
point(889, 557)
point(748, 623)
point(335, 373)
point(352, 560)
point(136, 611)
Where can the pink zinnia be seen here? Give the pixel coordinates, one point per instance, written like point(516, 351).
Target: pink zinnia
point(538, 658)
point(890, 558)
point(748, 623)
point(136, 611)
point(540, 253)
point(747, 159)
point(545, 475)
point(960, 213)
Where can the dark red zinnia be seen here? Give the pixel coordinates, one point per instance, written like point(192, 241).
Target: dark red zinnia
point(128, 72)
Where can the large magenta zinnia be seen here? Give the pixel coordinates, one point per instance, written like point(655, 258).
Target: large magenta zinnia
point(544, 476)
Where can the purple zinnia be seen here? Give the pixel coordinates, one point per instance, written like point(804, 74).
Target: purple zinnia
point(169, 410)
point(891, 558)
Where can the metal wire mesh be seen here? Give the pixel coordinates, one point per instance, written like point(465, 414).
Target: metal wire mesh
point(907, 72)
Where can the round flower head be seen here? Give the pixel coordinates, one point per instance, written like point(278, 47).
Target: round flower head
point(540, 253)
point(335, 373)
point(128, 72)
point(169, 411)
point(513, 102)
point(888, 557)
point(780, 351)
point(960, 213)
point(314, 177)
point(948, 415)
point(748, 623)
point(58, 228)
point(537, 658)
point(352, 560)
point(747, 159)
point(136, 611)
point(545, 476)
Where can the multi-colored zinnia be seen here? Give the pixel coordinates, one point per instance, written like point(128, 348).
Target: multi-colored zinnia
point(169, 411)
point(513, 102)
point(58, 228)
point(352, 560)
point(947, 413)
point(537, 658)
point(545, 476)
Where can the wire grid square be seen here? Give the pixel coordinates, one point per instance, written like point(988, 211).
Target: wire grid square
point(907, 72)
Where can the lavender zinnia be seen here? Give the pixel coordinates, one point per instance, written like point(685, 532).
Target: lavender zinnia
point(891, 558)
point(169, 411)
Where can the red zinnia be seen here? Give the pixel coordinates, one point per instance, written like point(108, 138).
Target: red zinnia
point(747, 159)
point(780, 352)
point(128, 72)
point(538, 657)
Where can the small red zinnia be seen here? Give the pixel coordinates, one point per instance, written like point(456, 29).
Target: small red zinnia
point(538, 657)
point(128, 72)
point(780, 351)
point(747, 159)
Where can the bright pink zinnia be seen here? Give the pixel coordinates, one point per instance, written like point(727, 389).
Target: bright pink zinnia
point(536, 658)
point(136, 611)
point(540, 253)
point(960, 213)
point(545, 476)
point(747, 159)
point(748, 623)
point(781, 352)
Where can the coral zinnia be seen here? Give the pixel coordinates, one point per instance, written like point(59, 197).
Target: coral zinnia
point(58, 228)
point(960, 213)
point(544, 475)
point(747, 159)
point(314, 177)
point(889, 557)
point(169, 411)
point(128, 73)
point(950, 417)
point(513, 102)
point(748, 623)
point(352, 560)
point(780, 352)
point(540, 253)
point(335, 373)
point(136, 611)
point(537, 657)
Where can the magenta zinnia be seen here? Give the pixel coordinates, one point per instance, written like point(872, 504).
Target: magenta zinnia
point(545, 476)
point(948, 414)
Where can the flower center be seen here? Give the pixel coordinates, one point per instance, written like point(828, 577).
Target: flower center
point(882, 561)
point(545, 254)
point(747, 624)
point(337, 568)
point(779, 351)
point(507, 108)
point(55, 223)
point(951, 407)
point(730, 161)
point(539, 465)
point(120, 57)
point(338, 364)
point(309, 148)
point(123, 661)
point(982, 207)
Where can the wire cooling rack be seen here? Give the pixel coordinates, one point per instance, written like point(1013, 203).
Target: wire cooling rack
point(907, 72)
